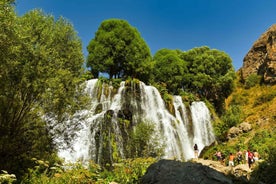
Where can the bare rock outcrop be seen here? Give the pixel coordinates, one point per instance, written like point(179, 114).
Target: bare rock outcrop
point(235, 131)
point(261, 58)
point(176, 172)
point(245, 127)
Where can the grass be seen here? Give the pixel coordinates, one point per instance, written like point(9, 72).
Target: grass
point(258, 105)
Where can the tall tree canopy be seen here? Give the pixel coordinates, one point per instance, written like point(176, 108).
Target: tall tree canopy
point(169, 68)
point(211, 74)
point(41, 64)
point(119, 50)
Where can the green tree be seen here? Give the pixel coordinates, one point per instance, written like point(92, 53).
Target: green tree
point(41, 65)
point(119, 50)
point(169, 68)
point(211, 74)
point(144, 143)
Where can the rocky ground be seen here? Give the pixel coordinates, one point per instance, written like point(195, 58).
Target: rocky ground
point(194, 172)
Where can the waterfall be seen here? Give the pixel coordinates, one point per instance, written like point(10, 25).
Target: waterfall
point(201, 125)
point(83, 135)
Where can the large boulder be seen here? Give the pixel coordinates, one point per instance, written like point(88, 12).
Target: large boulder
point(261, 58)
point(233, 132)
point(245, 127)
point(175, 172)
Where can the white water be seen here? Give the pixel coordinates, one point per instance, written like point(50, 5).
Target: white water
point(177, 132)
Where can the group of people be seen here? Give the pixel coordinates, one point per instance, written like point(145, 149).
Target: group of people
point(246, 157)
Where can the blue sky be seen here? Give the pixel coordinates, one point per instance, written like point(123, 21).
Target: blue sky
point(231, 26)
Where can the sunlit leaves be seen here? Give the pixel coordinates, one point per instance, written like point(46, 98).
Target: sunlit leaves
point(169, 68)
point(40, 73)
point(119, 50)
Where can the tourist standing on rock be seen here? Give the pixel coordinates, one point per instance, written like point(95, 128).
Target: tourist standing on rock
point(231, 160)
point(250, 158)
point(246, 156)
point(218, 155)
point(239, 156)
point(256, 156)
point(196, 151)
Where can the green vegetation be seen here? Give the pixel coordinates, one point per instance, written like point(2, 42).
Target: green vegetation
point(252, 80)
point(143, 142)
point(40, 73)
point(265, 171)
point(257, 106)
point(129, 171)
point(210, 75)
point(169, 68)
point(231, 117)
point(119, 51)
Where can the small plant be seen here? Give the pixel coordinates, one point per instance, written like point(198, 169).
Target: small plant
point(129, 171)
point(6, 178)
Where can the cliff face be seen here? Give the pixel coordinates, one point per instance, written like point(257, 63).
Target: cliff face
point(261, 58)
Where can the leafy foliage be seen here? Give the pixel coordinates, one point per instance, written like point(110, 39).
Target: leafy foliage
point(252, 80)
point(230, 118)
point(40, 69)
point(204, 72)
point(119, 50)
point(6, 178)
point(169, 68)
point(265, 98)
point(129, 171)
point(211, 74)
point(144, 143)
point(265, 171)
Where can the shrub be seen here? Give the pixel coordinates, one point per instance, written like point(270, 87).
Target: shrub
point(6, 178)
point(230, 118)
point(144, 143)
point(265, 171)
point(252, 80)
point(128, 171)
point(264, 98)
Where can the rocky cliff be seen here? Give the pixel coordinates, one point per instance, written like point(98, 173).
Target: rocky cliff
point(261, 58)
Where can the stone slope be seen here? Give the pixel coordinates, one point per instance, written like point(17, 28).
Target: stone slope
point(176, 172)
point(194, 172)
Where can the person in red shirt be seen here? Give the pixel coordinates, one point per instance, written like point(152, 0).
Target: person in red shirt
point(250, 158)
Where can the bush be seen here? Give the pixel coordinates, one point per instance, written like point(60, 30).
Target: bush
point(144, 143)
point(265, 171)
point(128, 171)
point(131, 170)
point(252, 80)
point(6, 178)
point(264, 98)
point(230, 118)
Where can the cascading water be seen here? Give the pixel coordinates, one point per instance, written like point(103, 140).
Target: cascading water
point(179, 131)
